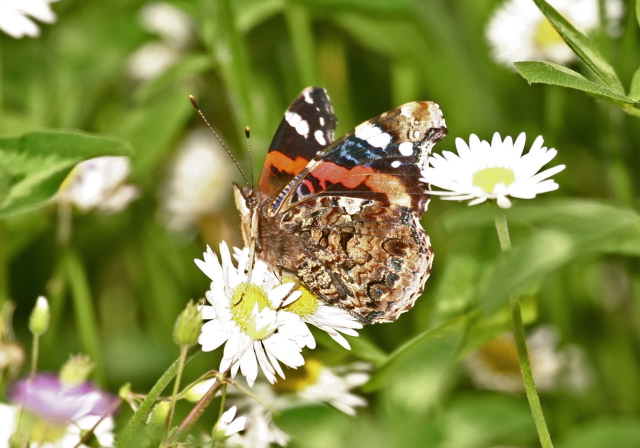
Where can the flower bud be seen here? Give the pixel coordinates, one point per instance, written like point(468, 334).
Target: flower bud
point(76, 370)
point(40, 316)
point(188, 326)
point(158, 416)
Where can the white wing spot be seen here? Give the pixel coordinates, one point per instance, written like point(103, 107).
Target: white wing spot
point(320, 137)
point(405, 148)
point(395, 164)
point(321, 121)
point(296, 121)
point(373, 135)
point(417, 134)
point(307, 97)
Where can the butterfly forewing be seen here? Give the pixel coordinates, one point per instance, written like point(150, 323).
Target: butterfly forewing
point(306, 129)
point(380, 159)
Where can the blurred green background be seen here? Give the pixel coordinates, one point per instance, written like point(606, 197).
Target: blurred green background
point(245, 62)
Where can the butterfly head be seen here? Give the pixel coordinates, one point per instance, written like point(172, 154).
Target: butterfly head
point(247, 203)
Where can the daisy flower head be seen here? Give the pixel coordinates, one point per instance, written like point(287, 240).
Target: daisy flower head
point(518, 31)
point(228, 425)
point(495, 365)
point(17, 17)
point(245, 314)
point(195, 186)
point(496, 171)
point(99, 183)
point(329, 318)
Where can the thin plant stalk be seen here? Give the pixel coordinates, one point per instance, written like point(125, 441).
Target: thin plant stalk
point(521, 345)
point(176, 387)
point(143, 410)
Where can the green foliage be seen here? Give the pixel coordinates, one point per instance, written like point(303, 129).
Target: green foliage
point(33, 166)
point(118, 284)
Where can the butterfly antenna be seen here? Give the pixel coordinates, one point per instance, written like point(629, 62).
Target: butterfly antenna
point(247, 134)
point(197, 108)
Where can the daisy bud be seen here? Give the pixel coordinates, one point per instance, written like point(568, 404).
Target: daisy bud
point(40, 316)
point(197, 391)
point(76, 371)
point(188, 326)
point(158, 415)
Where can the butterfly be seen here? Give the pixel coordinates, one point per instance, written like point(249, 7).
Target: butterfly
point(343, 216)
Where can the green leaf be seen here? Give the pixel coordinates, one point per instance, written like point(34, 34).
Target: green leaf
point(634, 91)
point(563, 231)
point(618, 433)
point(416, 372)
point(558, 75)
point(33, 166)
point(582, 46)
point(638, 11)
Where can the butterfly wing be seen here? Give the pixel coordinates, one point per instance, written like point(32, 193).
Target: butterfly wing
point(348, 225)
point(380, 159)
point(306, 129)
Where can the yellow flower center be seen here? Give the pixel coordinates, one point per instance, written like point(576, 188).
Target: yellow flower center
point(304, 306)
point(301, 378)
point(546, 34)
point(488, 178)
point(244, 299)
point(501, 356)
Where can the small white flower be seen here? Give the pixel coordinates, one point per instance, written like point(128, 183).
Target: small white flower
point(227, 426)
point(199, 175)
point(518, 31)
point(167, 21)
point(245, 314)
point(495, 365)
point(98, 184)
point(17, 16)
point(174, 29)
point(496, 170)
point(260, 431)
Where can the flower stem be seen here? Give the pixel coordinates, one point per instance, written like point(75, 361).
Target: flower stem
point(83, 308)
point(35, 351)
point(197, 410)
point(145, 407)
point(176, 388)
point(4, 265)
point(521, 345)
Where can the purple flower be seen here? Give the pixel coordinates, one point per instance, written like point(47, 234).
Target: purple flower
point(49, 398)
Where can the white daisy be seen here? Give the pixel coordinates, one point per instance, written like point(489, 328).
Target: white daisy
point(315, 311)
point(496, 170)
point(495, 365)
point(317, 383)
point(245, 314)
point(17, 16)
point(260, 431)
point(199, 174)
point(518, 31)
point(98, 184)
point(228, 425)
point(174, 29)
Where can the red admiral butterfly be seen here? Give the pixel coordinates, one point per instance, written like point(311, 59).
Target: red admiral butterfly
point(344, 216)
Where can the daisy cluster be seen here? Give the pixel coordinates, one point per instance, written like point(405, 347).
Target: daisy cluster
point(262, 321)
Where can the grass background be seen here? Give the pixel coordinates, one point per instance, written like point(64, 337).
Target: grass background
point(575, 254)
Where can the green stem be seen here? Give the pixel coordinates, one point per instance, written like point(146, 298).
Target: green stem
point(35, 352)
point(176, 388)
point(84, 309)
point(4, 265)
point(197, 410)
point(142, 412)
point(521, 345)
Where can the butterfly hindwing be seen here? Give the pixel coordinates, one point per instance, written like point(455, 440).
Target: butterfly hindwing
point(371, 259)
point(306, 129)
point(380, 159)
